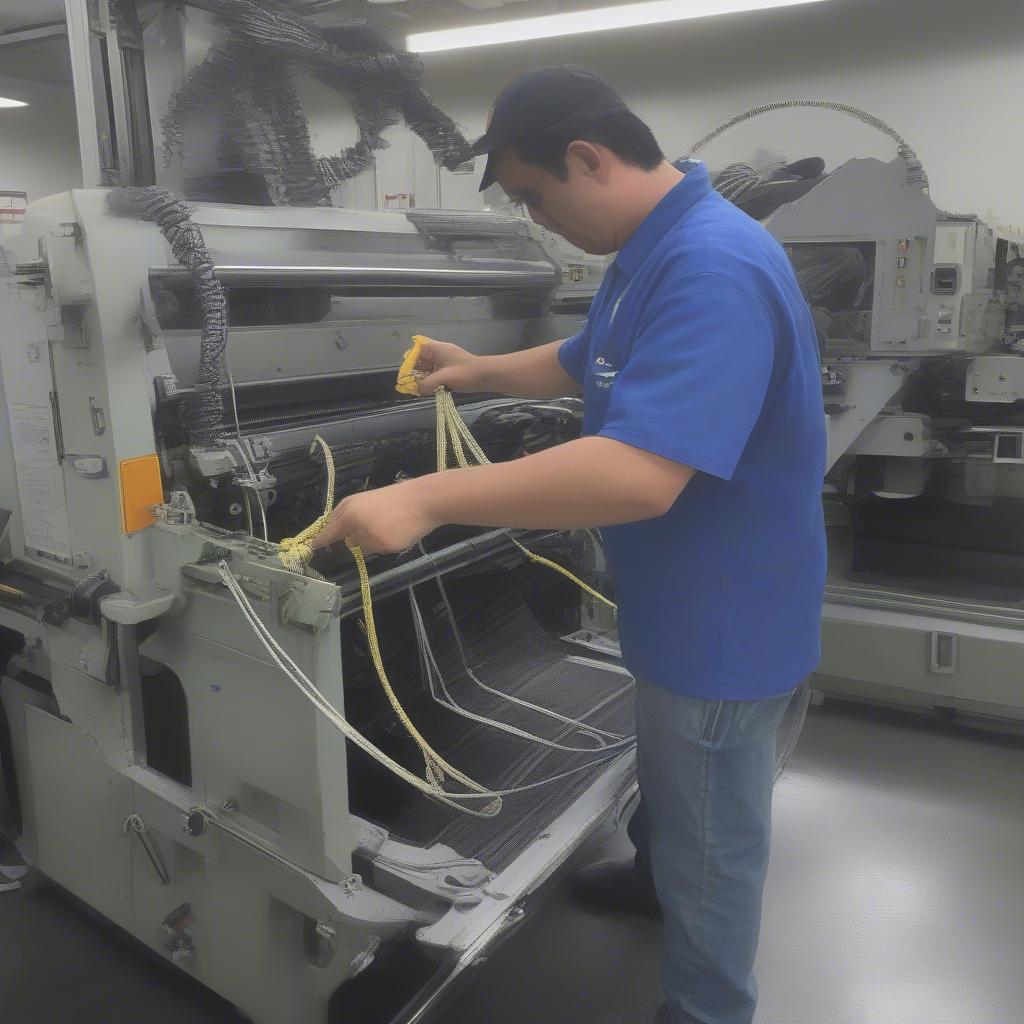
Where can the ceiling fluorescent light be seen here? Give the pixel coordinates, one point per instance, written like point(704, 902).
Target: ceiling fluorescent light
point(5, 102)
point(576, 22)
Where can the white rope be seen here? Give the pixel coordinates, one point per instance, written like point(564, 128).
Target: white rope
point(302, 682)
point(583, 727)
point(434, 673)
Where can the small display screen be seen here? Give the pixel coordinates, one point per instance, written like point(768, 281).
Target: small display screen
point(838, 281)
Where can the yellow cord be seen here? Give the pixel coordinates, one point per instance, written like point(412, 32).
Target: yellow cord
point(452, 427)
point(296, 552)
point(436, 766)
point(540, 560)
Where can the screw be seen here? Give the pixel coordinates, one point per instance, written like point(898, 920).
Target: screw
point(195, 823)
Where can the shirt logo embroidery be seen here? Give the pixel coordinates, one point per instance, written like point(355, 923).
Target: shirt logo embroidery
point(604, 373)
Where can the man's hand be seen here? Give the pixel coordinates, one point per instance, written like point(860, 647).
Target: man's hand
point(531, 373)
point(382, 521)
point(446, 365)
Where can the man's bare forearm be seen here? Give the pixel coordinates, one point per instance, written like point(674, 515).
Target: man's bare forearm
point(532, 373)
point(595, 481)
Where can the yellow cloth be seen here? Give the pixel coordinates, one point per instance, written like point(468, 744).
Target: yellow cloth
point(408, 382)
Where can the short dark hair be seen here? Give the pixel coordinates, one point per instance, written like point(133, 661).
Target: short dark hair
point(623, 133)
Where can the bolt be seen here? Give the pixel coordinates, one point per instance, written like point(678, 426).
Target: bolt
point(235, 508)
point(195, 823)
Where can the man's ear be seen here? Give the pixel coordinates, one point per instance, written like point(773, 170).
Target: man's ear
point(588, 158)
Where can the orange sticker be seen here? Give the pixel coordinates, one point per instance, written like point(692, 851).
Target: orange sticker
point(141, 489)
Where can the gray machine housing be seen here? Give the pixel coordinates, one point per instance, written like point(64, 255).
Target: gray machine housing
point(922, 376)
point(236, 856)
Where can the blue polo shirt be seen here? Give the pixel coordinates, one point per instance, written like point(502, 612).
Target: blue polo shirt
point(700, 348)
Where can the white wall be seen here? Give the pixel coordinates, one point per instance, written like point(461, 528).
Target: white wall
point(946, 74)
point(38, 143)
point(39, 148)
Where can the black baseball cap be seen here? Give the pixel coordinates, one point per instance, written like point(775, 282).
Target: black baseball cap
point(563, 97)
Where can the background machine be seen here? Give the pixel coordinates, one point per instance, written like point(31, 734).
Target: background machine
point(920, 325)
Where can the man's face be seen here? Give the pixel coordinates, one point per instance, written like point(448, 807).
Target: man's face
point(575, 208)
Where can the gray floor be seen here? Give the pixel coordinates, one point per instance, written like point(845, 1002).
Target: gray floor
point(894, 897)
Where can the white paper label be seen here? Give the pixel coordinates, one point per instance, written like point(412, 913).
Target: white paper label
point(25, 359)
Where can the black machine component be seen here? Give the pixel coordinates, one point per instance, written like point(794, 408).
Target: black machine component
point(837, 280)
point(946, 280)
point(760, 193)
point(505, 429)
point(87, 593)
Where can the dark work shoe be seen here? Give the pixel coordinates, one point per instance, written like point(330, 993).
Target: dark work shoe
point(617, 885)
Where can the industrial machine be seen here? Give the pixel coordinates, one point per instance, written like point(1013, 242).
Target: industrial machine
point(196, 740)
point(149, 730)
point(920, 326)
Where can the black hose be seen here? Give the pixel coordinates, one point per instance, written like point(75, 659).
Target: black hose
point(205, 420)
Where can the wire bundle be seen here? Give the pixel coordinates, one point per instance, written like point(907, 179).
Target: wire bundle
point(250, 77)
point(161, 207)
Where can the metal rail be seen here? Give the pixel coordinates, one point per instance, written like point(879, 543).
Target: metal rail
point(504, 275)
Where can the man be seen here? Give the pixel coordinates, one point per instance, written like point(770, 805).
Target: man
point(701, 459)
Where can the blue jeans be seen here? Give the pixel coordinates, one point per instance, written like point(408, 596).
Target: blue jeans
point(703, 828)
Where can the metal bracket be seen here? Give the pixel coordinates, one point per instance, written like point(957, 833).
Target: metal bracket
point(436, 871)
point(99, 422)
point(321, 943)
point(178, 511)
point(127, 610)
